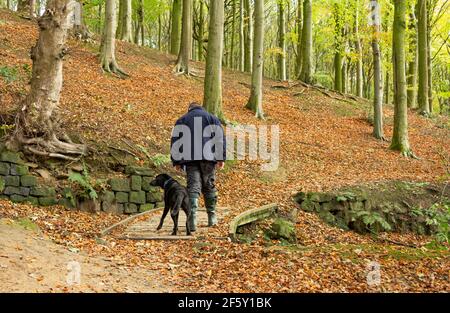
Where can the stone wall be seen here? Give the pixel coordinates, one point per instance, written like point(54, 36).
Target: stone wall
point(130, 194)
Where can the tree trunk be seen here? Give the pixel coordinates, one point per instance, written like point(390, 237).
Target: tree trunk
point(120, 19)
point(306, 73)
point(255, 100)
point(422, 55)
point(80, 29)
point(359, 62)
point(175, 34)
point(400, 140)
point(412, 65)
point(212, 100)
point(107, 49)
point(241, 37)
point(299, 37)
point(182, 66)
point(429, 65)
point(33, 8)
point(126, 33)
point(248, 36)
point(281, 41)
point(387, 88)
point(377, 86)
point(23, 6)
point(233, 28)
point(337, 71)
point(38, 130)
point(201, 31)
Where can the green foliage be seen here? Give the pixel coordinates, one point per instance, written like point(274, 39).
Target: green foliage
point(160, 159)
point(9, 73)
point(4, 129)
point(83, 179)
point(323, 79)
point(372, 219)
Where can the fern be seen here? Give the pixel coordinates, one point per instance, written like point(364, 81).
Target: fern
point(84, 181)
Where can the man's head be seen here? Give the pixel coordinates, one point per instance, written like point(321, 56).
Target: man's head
point(194, 105)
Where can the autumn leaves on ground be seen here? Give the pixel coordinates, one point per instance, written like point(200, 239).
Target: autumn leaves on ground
point(324, 144)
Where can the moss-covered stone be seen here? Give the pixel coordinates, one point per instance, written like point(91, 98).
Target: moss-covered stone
point(2, 184)
point(137, 197)
point(68, 198)
point(4, 168)
point(283, 229)
point(48, 201)
point(159, 204)
point(22, 191)
point(31, 200)
point(130, 208)
point(17, 198)
point(19, 170)
point(12, 181)
point(141, 171)
point(42, 191)
point(28, 181)
point(11, 157)
point(122, 197)
point(146, 183)
point(146, 207)
point(154, 196)
point(136, 183)
point(120, 184)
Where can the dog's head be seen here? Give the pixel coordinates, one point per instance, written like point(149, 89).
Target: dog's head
point(160, 180)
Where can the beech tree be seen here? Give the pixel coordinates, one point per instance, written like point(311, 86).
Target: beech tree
point(255, 100)
point(212, 100)
point(400, 140)
point(108, 45)
point(175, 33)
point(184, 55)
point(38, 128)
point(281, 40)
point(422, 100)
point(306, 73)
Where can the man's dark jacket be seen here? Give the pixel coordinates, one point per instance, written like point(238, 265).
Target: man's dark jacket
point(207, 119)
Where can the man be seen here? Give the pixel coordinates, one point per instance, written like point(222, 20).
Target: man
point(198, 147)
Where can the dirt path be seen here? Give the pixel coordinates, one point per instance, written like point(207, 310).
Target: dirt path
point(31, 263)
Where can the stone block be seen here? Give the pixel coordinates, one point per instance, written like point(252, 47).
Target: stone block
point(122, 197)
point(28, 181)
point(2, 184)
point(146, 207)
point(48, 201)
point(12, 181)
point(11, 157)
point(4, 168)
point(42, 191)
point(141, 171)
point(17, 198)
point(136, 183)
point(120, 184)
point(22, 191)
point(146, 183)
point(19, 170)
point(137, 197)
point(130, 208)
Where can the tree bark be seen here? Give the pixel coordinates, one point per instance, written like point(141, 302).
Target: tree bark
point(241, 37)
point(182, 65)
point(126, 32)
point(248, 36)
point(306, 73)
point(108, 46)
point(175, 33)
point(400, 140)
point(233, 28)
point(422, 56)
point(359, 62)
point(38, 129)
point(212, 100)
point(412, 64)
point(299, 37)
point(377, 86)
point(281, 41)
point(255, 100)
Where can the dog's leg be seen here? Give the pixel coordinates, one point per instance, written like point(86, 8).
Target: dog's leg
point(188, 215)
point(166, 210)
point(175, 224)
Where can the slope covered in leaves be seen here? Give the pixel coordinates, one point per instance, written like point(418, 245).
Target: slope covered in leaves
point(324, 144)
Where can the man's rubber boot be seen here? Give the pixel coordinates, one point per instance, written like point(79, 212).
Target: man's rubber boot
point(193, 217)
point(210, 203)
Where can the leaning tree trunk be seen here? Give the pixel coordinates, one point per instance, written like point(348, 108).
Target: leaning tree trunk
point(212, 100)
point(38, 129)
point(306, 73)
point(378, 92)
point(255, 101)
point(281, 41)
point(400, 140)
point(422, 98)
point(182, 65)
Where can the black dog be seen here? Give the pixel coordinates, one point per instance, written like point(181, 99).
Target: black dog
point(175, 197)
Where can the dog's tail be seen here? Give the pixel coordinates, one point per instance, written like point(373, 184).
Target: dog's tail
point(176, 206)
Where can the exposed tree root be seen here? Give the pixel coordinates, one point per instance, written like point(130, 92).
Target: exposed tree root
point(111, 66)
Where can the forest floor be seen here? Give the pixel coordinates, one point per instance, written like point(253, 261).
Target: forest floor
point(324, 144)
